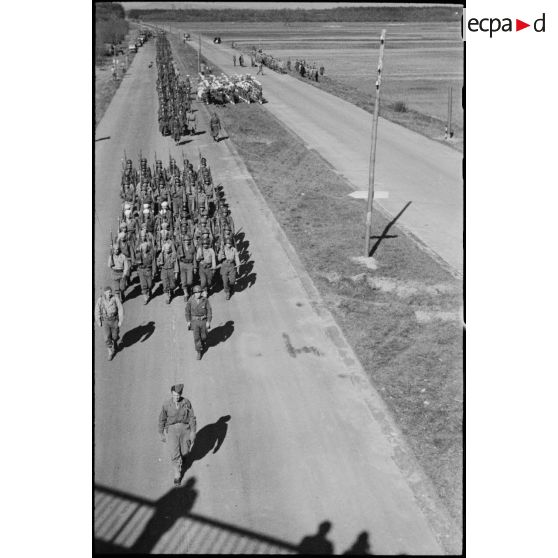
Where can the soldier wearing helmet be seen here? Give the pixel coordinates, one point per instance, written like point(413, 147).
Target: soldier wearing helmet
point(198, 318)
point(168, 266)
point(109, 315)
point(118, 264)
point(145, 257)
point(127, 248)
point(206, 263)
point(229, 267)
point(188, 265)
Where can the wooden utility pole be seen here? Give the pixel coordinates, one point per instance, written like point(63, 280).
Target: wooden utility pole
point(373, 150)
point(199, 52)
point(450, 106)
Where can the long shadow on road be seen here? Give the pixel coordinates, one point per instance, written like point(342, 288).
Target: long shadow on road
point(140, 333)
point(220, 334)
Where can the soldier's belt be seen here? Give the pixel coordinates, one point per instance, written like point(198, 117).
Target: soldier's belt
point(199, 317)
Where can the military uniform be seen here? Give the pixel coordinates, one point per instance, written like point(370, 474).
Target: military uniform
point(198, 314)
point(109, 314)
point(178, 421)
point(206, 265)
point(146, 268)
point(187, 264)
point(168, 265)
point(118, 263)
point(228, 269)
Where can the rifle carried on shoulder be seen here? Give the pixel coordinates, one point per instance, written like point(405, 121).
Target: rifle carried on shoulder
point(111, 251)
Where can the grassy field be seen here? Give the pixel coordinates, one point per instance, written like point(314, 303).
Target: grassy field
point(402, 319)
point(421, 61)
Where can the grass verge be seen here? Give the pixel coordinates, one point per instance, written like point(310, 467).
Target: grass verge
point(401, 319)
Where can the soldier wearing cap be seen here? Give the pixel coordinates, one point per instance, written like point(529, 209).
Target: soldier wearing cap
point(178, 422)
point(168, 265)
point(206, 263)
point(187, 263)
point(109, 314)
point(198, 319)
point(118, 263)
point(229, 267)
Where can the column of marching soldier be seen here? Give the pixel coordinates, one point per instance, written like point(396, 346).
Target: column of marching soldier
point(174, 225)
point(175, 113)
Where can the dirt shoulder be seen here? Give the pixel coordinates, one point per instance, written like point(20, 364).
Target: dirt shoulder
point(402, 319)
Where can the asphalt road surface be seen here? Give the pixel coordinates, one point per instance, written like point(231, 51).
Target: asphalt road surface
point(303, 438)
point(409, 167)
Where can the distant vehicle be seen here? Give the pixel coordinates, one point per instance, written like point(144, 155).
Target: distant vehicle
point(186, 37)
point(217, 40)
point(132, 47)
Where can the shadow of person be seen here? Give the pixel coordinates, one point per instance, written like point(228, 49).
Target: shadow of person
point(176, 503)
point(210, 437)
point(135, 292)
point(220, 334)
point(140, 333)
point(318, 543)
point(361, 547)
point(247, 279)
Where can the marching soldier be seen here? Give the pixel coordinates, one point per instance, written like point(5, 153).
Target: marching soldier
point(198, 319)
point(178, 421)
point(187, 263)
point(118, 263)
point(206, 263)
point(109, 314)
point(146, 265)
point(126, 247)
point(229, 267)
point(168, 266)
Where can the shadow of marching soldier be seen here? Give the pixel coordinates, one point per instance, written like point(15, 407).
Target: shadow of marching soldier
point(210, 437)
point(176, 503)
point(219, 334)
point(140, 333)
point(361, 547)
point(318, 543)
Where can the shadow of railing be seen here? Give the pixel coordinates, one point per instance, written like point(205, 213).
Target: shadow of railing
point(125, 523)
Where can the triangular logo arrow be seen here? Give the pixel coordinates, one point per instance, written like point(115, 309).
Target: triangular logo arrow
point(519, 25)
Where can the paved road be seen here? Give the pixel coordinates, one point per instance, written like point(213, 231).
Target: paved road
point(410, 167)
point(308, 440)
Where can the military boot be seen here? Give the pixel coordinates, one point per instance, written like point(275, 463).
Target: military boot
point(110, 353)
point(145, 298)
point(168, 297)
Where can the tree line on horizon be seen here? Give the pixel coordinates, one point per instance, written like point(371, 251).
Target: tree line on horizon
point(340, 14)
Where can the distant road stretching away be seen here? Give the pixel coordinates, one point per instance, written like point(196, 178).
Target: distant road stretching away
point(409, 166)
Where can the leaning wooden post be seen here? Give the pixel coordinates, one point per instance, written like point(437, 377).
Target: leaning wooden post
point(373, 150)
